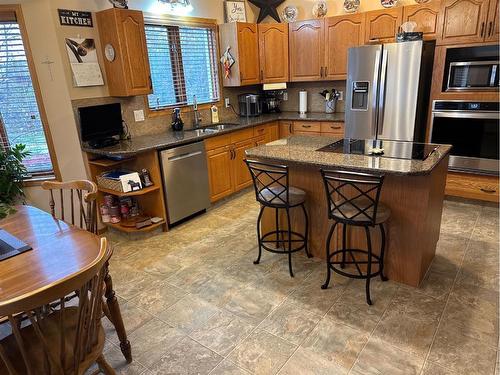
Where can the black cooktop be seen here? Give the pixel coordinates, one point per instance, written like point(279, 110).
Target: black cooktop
point(381, 148)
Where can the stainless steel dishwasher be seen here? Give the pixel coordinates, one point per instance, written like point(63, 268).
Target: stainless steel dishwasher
point(185, 180)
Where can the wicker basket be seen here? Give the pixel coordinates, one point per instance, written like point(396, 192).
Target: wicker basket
point(109, 183)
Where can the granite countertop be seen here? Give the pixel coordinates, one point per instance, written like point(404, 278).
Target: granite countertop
point(169, 138)
point(303, 150)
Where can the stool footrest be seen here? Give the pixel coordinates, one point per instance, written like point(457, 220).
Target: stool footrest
point(264, 239)
point(349, 253)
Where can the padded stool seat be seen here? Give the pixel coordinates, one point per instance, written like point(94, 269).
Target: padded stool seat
point(276, 195)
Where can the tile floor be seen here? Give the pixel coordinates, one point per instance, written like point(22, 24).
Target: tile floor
point(194, 303)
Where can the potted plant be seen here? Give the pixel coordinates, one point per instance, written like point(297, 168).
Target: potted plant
point(12, 173)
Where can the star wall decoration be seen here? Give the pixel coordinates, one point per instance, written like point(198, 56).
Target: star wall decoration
point(267, 8)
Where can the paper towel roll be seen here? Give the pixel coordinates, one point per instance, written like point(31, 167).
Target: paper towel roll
point(302, 101)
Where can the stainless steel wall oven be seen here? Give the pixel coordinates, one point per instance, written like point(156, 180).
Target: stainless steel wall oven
point(473, 130)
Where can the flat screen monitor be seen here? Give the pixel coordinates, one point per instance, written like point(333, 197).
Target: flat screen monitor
point(100, 121)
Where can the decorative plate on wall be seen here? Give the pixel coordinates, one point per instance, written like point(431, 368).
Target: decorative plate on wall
point(290, 13)
point(320, 9)
point(351, 6)
point(388, 3)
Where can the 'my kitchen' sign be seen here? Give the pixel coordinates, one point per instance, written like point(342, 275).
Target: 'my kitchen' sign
point(75, 18)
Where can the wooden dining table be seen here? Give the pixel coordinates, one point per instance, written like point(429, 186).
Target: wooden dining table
point(59, 250)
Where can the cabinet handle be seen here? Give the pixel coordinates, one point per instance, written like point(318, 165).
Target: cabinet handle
point(326, 71)
point(306, 126)
point(482, 28)
point(150, 83)
point(260, 130)
point(374, 40)
point(261, 75)
point(336, 127)
point(487, 190)
point(290, 128)
point(321, 72)
point(490, 28)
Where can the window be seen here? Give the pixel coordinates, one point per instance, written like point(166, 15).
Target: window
point(183, 62)
point(20, 120)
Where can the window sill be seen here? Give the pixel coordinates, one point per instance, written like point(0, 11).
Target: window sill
point(38, 180)
point(184, 108)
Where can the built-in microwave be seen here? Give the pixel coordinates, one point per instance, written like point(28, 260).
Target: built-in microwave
point(472, 75)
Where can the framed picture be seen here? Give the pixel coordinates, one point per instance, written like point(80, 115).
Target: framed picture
point(234, 11)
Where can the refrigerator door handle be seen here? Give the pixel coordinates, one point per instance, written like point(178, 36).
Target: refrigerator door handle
point(375, 90)
point(381, 96)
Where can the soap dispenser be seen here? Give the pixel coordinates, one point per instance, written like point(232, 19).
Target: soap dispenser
point(177, 123)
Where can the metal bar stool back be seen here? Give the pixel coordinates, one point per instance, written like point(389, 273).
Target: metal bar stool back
point(272, 189)
point(353, 198)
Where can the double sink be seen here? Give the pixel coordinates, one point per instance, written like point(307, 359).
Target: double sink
point(211, 129)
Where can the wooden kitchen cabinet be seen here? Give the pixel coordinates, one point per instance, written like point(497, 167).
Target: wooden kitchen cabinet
point(306, 126)
point(341, 33)
point(382, 25)
point(426, 16)
point(219, 172)
point(307, 43)
point(332, 128)
point(464, 21)
point(273, 52)
point(243, 39)
point(241, 175)
point(285, 129)
point(492, 32)
point(122, 30)
point(472, 186)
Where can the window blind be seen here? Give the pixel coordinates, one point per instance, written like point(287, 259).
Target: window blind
point(19, 115)
point(183, 62)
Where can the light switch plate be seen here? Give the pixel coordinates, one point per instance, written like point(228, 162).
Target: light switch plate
point(341, 95)
point(226, 102)
point(139, 115)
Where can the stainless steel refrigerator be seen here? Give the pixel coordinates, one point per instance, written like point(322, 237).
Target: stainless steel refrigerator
point(388, 88)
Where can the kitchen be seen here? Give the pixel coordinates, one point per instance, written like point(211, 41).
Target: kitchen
point(174, 175)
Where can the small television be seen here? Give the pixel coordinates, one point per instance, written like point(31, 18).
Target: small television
point(100, 123)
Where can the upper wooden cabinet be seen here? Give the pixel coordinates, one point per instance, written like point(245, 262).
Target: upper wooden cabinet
point(464, 21)
point(341, 33)
point(243, 39)
point(492, 31)
point(307, 43)
point(426, 16)
point(128, 73)
point(273, 52)
point(382, 25)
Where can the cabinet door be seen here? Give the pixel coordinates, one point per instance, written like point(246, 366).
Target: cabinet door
point(306, 126)
point(341, 33)
point(493, 31)
point(463, 21)
point(241, 175)
point(219, 173)
point(273, 52)
point(274, 131)
point(382, 25)
point(306, 40)
point(248, 50)
point(286, 129)
point(135, 53)
point(426, 17)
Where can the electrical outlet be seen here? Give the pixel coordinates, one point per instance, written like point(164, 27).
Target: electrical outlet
point(341, 95)
point(139, 115)
point(226, 102)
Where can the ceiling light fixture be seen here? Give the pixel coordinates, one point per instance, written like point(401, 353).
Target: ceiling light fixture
point(175, 4)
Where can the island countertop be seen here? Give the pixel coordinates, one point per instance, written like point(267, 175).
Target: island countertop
point(303, 150)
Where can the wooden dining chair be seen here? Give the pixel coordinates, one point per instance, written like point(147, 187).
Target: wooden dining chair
point(64, 341)
point(75, 202)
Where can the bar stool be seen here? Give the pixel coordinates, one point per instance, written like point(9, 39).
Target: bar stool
point(353, 199)
point(272, 190)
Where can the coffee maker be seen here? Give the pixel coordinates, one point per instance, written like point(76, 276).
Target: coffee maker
point(250, 105)
point(271, 100)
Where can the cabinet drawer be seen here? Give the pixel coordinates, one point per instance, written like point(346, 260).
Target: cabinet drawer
point(260, 130)
point(332, 128)
point(306, 126)
point(241, 135)
point(472, 186)
point(216, 142)
point(298, 132)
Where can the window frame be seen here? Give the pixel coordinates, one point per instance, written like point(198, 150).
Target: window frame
point(36, 178)
point(168, 20)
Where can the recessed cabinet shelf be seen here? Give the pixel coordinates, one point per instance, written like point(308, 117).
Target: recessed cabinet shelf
point(122, 228)
point(143, 191)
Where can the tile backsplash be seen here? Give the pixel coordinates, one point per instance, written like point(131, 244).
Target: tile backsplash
point(158, 124)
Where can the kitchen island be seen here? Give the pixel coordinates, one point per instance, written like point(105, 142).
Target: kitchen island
point(413, 190)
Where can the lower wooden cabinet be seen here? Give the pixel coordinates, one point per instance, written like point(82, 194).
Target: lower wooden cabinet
point(327, 128)
point(227, 171)
point(285, 129)
point(472, 186)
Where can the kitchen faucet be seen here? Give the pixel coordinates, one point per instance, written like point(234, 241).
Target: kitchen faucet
point(197, 118)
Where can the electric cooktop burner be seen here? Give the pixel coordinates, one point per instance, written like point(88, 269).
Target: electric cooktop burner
point(382, 148)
